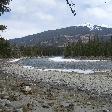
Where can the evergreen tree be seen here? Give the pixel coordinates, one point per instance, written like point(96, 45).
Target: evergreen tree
point(4, 8)
point(4, 45)
point(94, 47)
point(5, 50)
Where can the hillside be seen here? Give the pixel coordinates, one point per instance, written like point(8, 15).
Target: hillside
point(60, 37)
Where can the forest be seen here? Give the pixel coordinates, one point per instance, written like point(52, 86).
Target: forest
point(94, 47)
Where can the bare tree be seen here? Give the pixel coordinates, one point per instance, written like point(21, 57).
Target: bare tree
point(72, 6)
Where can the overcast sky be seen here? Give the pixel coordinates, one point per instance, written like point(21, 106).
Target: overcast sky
point(33, 16)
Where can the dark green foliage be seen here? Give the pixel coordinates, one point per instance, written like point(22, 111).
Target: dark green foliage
point(40, 51)
point(94, 48)
point(2, 27)
point(5, 50)
point(4, 7)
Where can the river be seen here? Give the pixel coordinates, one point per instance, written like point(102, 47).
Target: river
point(67, 65)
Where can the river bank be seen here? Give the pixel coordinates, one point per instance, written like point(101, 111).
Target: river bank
point(32, 90)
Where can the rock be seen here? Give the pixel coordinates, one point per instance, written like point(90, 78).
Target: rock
point(6, 97)
point(19, 110)
point(26, 89)
point(2, 103)
point(1, 110)
point(105, 110)
point(45, 105)
point(89, 103)
point(9, 109)
point(59, 108)
point(50, 104)
point(68, 105)
point(14, 97)
point(3, 95)
point(29, 106)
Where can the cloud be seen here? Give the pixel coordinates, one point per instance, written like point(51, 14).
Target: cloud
point(19, 29)
point(32, 16)
point(99, 13)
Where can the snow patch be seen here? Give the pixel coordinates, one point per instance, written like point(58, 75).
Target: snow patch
point(60, 59)
point(14, 60)
point(28, 67)
point(62, 70)
point(71, 70)
point(89, 25)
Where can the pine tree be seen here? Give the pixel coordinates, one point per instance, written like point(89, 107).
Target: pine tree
point(4, 45)
point(4, 8)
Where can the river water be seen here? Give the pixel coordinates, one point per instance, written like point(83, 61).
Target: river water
point(67, 65)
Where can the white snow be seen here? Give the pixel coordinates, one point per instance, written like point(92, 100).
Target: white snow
point(98, 27)
point(60, 59)
point(14, 60)
point(28, 67)
point(63, 70)
point(71, 70)
point(28, 88)
point(89, 25)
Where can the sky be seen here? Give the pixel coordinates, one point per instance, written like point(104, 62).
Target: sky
point(29, 17)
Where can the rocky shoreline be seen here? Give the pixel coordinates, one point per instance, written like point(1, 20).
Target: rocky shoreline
point(29, 90)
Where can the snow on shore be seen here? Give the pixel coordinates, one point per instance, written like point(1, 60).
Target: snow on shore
point(71, 70)
point(14, 60)
point(88, 71)
point(61, 59)
point(28, 67)
point(63, 70)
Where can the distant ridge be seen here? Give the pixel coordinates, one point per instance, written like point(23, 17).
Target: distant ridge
point(60, 37)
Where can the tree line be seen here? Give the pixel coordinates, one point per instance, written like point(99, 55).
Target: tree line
point(5, 49)
point(9, 51)
point(32, 51)
point(94, 47)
